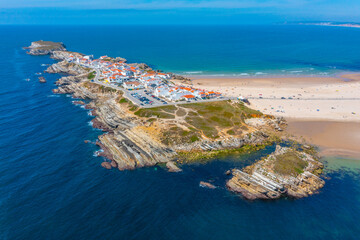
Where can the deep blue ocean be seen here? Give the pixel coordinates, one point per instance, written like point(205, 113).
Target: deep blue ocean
point(53, 187)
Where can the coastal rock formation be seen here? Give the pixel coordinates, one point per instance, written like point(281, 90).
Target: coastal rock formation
point(61, 55)
point(206, 185)
point(78, 102)
point(106, 165)
point(42, 80)
point(181, 78)
point(143, 66)
point(286, 172)
point(113, 164)
point(124, 142)
point(172, 167)
point(120, 59)
point(277, 123)
point(66, 67)
point(44, 47)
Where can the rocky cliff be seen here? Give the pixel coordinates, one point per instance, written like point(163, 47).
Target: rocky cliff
point(68, 68)
point(125, 142)
point(62, 54)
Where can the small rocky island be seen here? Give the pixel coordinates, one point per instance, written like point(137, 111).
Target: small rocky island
point(44, 47)
point(180, 133)
point(286, 172)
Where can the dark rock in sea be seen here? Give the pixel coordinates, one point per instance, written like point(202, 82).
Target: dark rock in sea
point(99, 125)
point(105, 153)
point(42, 80)
point(78, 102)
point(172, 167)
point(93, 112)
point(86, 141)
point(106, 165)
point(114, 164)
point(88, 106)
point(228, 172)
point(206, 185)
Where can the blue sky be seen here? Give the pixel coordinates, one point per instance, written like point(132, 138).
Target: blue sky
point(176, 11)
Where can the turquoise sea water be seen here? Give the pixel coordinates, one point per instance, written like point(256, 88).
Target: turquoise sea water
point(52, 185)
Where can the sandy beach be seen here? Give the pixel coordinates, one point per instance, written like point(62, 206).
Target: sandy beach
point(316, 98)
point(323, 110)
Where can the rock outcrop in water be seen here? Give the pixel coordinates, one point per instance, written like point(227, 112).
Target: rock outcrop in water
point(44, 47)
point(286, 172)
point(172, 167)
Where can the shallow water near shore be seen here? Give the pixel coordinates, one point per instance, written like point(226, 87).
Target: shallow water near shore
point(52, 185)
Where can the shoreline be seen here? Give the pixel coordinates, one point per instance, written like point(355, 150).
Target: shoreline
point(288, 74)
point(343, 75)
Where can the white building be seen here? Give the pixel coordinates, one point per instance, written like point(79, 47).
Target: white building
point(133, 85)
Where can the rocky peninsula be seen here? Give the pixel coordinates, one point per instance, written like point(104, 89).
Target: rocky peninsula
point(177, 134)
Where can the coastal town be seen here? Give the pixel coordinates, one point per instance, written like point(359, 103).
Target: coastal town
point(143, 86)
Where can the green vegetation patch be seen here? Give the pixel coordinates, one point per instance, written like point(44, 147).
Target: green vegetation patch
point(205, 156)
point(177, 135)
point(123, 100)
point(91, 75)
point(289, 164)
point(210, 117)
point(154, 112)
point(151, 120)
point(107, 89)
point(203, 125)
point(132, 107)
point(230, 132)
point(168, 109)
